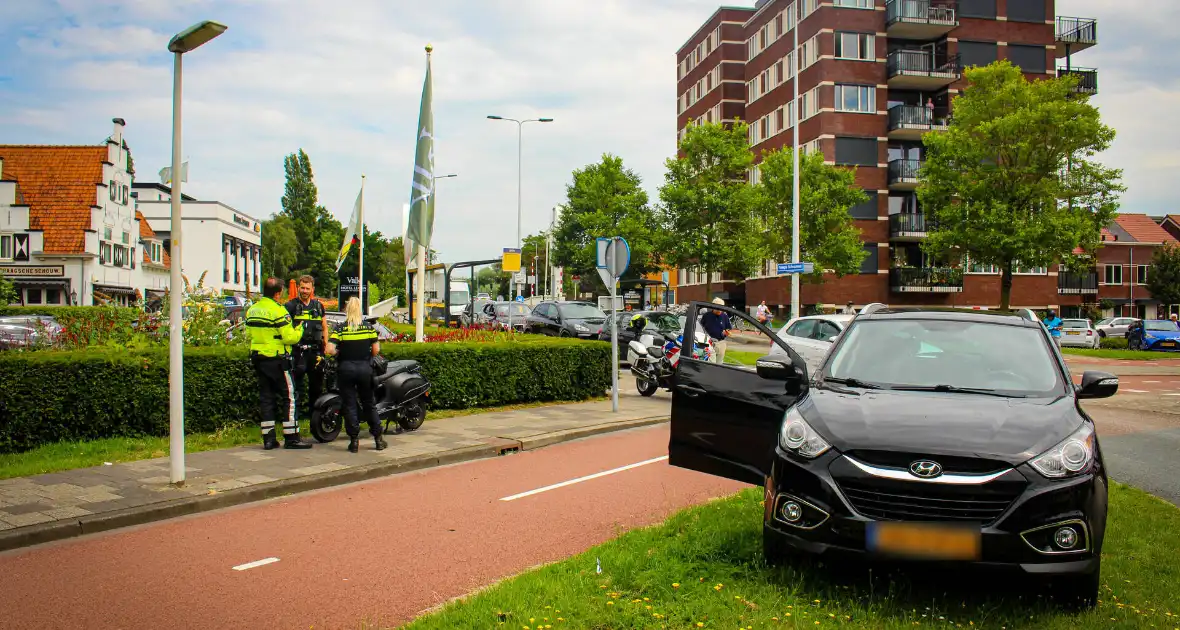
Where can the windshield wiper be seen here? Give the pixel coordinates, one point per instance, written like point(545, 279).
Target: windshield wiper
point(954, 389)
point(852, 382)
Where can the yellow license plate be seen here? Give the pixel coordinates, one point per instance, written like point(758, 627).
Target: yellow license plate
point(924, 540)
point(1167, 344)
point(1073, 333)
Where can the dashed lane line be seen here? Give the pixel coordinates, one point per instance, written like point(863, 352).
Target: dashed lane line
point(581, 479)
point(255, 564)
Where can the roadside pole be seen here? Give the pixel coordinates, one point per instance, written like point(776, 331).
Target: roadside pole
point(613, 256)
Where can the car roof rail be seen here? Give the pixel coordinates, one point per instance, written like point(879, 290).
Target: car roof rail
point(869, 309)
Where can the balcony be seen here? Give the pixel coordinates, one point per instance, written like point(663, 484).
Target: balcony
point(1087, 79)
point(909, 122)
point(1070, 283)
point(903, 174)
point(919, 19)
point(1074, 34)
point(926, 280)
point(922, 70)
point(909, 226)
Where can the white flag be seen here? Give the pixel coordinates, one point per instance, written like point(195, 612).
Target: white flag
point(166, 174)
point(354, 233)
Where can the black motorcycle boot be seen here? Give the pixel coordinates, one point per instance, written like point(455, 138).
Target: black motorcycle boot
point(354, 444)
point(380, 443)
point(294, 441)
point(269, 441)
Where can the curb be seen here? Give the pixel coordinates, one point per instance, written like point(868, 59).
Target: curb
point(163, 510)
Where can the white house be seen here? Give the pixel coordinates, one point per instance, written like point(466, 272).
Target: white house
point(68, 226)
point(220, 242)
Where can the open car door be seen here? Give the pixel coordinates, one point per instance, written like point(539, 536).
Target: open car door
point(727, 413)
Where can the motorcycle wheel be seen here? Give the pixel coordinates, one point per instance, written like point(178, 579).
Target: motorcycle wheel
point(646, 388)
point(327, 422)
point(412, 416)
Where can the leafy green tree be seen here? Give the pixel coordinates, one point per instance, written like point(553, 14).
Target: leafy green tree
point(8, 293)
point(1014, 178)
point(827, 236)
point(1163, 278)
point(606, 199)
point(280, 247)
point(707, 210)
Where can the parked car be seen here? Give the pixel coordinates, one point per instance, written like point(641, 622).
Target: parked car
point(1154, 334)
point(1078, 333)
point(22, 331)
point(495, 314)
point(566, 319)
point(928, 435)
point(811, 336)
point(1114, 326)
point(336, 318)
point(660, 324)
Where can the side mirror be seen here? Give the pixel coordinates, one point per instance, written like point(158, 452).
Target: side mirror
point(781, 368)
point(1098, 385)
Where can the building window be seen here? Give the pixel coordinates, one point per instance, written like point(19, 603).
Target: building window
point(982, 268)
point(126, 238)
point(856, 46)
point(866, 209)
point(856, 98)
point(855, 4)
point(1027, 11)
point(33, 296)
point(869, 264)
point(1020, 269)
point(809, 51)
point(53, 296)
point(6, 247)
point(104, 253)
point(1140, 274)
point(1031, 59)
point(106, 233)
point(977, 53)
point(809, 103)
point(1112, 274)
point(856, 151)
point(978, 9)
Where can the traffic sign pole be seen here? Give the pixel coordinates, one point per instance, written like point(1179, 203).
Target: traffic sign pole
point(612, 257)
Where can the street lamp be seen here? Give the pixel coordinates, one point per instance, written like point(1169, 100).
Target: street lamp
point(185, 41)
point(519, 143)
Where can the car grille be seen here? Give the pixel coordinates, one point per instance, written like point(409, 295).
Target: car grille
point(920, 501)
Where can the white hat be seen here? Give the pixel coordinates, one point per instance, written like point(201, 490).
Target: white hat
point(718, 300)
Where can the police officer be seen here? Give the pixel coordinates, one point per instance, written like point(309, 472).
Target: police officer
point(271, 335)
point(308, 353)
point(355, 343)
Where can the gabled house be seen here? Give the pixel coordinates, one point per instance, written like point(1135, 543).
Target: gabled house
point(1124, 264)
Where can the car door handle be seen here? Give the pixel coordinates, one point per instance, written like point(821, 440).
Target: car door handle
point(691, 391)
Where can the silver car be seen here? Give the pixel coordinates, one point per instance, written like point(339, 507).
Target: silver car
point(1078, 333)
point(1114, 327)
point(812, 337)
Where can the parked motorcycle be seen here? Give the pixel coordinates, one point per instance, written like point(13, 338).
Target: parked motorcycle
point(654, 366)
point(400, 390)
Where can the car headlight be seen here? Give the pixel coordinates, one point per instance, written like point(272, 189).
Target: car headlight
point(799, 438)
point(581, 328)
point(1072, 456)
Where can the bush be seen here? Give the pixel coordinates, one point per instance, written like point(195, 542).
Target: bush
point(94, 393)
point(1113, 343)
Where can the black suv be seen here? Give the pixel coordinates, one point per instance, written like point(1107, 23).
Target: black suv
point(566, 319)
point(928, 435)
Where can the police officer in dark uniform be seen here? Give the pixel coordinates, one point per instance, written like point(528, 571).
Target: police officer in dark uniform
point(308, 353)
point(355, 343)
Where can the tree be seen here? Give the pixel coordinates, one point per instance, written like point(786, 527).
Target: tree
point(1163, 279)
point(8, 292)
point(606, 199)
point(827, 236)
point(1014, 179)
point(280, 247)
point(707, 208)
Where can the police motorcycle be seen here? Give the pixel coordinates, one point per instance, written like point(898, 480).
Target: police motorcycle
point(654, 365)
point(400, 392)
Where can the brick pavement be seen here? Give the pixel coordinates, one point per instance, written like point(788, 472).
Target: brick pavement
point(70, 503)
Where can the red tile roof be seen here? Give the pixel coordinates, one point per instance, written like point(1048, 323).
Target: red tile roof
point(146, 232)
point(1143, 228)
point(58, 183)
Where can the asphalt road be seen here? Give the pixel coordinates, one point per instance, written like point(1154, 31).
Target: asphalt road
point(379, 552)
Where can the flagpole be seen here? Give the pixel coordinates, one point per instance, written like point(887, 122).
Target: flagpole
point(361, 263)
point(420, 320)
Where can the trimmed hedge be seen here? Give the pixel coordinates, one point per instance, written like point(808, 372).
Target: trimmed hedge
point(50, 397)
point(1113, 343)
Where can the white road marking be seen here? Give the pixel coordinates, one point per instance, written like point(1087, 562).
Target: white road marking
point(581, 479)
point(1150, 381)
point(256, 563)
point(1171, 394)
point(1134, 391)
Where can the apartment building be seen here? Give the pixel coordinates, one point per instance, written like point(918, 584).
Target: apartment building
point(874, 75)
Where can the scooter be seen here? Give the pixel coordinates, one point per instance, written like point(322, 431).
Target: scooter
point(655, 366)
point(401, 393)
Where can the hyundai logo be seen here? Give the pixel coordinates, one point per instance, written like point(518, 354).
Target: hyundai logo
point(925, 469)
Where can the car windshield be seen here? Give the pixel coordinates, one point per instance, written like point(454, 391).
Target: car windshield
point(517, 309)
point(663, 322)
point(573, 310)
point(1075, 323)
point(1160, 324)
point(923, 353)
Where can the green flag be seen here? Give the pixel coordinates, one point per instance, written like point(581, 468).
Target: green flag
point(421, 223)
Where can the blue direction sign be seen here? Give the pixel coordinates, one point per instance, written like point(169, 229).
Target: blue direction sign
point(799, 267)
point(520, 298)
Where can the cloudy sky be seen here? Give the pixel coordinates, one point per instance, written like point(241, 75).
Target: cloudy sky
point(342, 80)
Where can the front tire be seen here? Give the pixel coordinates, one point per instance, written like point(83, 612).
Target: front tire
point(646, 388)
point(327, 421)
point(564, 333)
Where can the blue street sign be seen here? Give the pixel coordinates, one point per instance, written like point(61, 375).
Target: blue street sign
point(791, 268)
point(520, 298)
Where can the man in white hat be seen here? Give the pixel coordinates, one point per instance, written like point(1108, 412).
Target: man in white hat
point(718, 327)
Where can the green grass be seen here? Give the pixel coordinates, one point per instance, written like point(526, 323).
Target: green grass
point(704, 568)
point(1130, 355)
point(70, 455)
point(742, 357)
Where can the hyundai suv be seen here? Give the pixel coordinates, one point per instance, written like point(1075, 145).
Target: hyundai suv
point(928, 435)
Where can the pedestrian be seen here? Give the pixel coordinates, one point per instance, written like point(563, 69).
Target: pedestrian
point(848, 309)
point(1053, 323)
point(763, 313)
point(354, 343)
point(717, 325)
point(309, 352)
point(272, 333)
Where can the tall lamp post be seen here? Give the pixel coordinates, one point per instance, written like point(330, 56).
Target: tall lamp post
point(519, 144)
point(185, 41)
